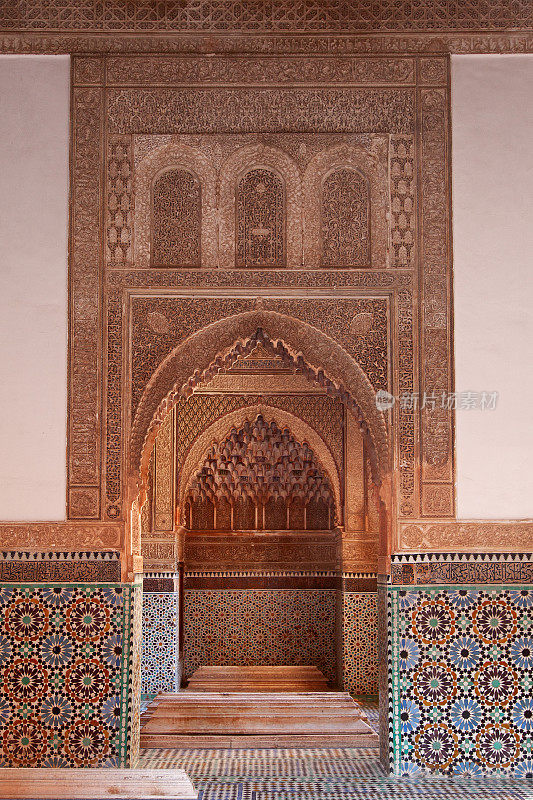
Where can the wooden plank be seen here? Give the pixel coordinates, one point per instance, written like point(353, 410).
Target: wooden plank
point(260, 742)
point(255, 695)
point(258, 678)
point(241, 726)
point(94, 784)
point(220, 708)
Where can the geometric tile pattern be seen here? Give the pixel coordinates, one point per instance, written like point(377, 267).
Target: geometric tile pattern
point(359, 643)
point(319, 774)
point(260, 626)
point(64, 674)
point(462, 679)
point(160, 642)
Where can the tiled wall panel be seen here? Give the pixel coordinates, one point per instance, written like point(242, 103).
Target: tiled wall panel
point(65, 673)
point(256, 626)
point(160, 645)
point(358, 634)
point(462, 679)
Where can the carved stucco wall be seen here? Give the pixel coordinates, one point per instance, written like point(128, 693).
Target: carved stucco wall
point(367, 72)
point(371, 126)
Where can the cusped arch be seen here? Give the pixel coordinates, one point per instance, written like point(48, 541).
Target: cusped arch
point(371, 163)
point(240, 162)
point(174, 155)
point(202, 355)
point(219, 429)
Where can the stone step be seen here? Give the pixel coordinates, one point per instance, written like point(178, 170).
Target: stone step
point(95, 784)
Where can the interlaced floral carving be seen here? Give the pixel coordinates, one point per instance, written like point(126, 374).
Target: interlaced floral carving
point(345, 219)
point(260, 477)
point(403, 211)
point(176, 219)
point(260, 220)
point(119, 201)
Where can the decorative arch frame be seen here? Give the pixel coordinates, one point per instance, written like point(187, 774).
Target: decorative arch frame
point(259, 156)
point(372, 164)
point(174, 155)
point(218, 346)
point(284, 419)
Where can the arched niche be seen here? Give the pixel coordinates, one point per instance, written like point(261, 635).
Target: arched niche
point(369, 163)
point(244, 160)
point(219, 345)
point(174, 156)
point(260, 215)
point(176, 227)
point(201, 355)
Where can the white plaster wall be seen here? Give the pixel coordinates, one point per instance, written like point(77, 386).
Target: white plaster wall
point(34, 110)
point(492, 158)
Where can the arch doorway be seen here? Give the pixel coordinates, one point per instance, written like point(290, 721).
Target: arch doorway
point(255, 482)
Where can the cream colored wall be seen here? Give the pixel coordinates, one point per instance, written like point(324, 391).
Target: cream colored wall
point(492, 117)
point(34, 103)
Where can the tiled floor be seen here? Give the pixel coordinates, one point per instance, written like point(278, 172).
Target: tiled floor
point(320, 774)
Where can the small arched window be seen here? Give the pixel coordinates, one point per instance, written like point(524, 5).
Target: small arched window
point(260, 228)
point(345, 219)
point(176, 219)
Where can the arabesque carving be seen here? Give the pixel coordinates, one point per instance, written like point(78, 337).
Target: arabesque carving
point(371, 164)
point(260, 219)
point(228, 339)
point(176, 219)
point(286, 232)
point(167, 156)
point(491, 40)
point(466, 536)
point(226, 16)
point(251, 110)
point(64, 536)
point(345, 219)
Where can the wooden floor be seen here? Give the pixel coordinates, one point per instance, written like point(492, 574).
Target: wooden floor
point(95, 784)
point(263, 710)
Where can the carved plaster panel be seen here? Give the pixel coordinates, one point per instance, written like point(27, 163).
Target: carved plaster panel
point(466, 535)
point(372, 165)
point(164, 455)
point(173, 155)
point(242, 110)
point(84, 439)
point(259, 552)
point(185, 316)
point(253, 157)
point(301, 161)
point(193, 69)
point(65, 536)
point(390, 100)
